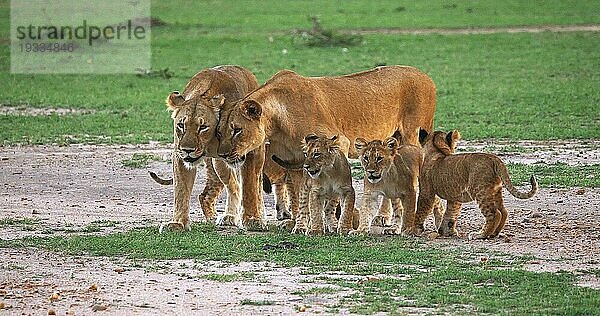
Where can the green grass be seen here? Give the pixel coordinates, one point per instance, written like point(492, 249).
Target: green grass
point(256, 303)
point(512, 86)
point(139, 160)
point(412, 275)
point(558, 175)
point(242, 276)
point(9, 221)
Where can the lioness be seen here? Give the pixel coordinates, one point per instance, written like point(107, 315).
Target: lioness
point(461, 178)
point(392, 171)
point(327, 181)
point(371, 104)
point(196, 113)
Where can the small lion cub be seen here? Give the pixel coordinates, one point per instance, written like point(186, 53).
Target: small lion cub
point(327, 182)
point(392, 171)
point(461, 178)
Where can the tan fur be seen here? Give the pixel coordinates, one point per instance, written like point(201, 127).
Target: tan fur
point(461, 178)
point(196, 113)
point(392, 171)
point(372, 104)
point(327, 181)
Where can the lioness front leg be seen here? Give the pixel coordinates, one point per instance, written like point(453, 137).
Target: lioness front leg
point(183, 180)
point(252, 199)
point(213, 188)
point(230, 179)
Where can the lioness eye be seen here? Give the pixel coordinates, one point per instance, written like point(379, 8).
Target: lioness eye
point(305, 155)
point(366, 158)
point(378, 158)
point(202, 128)
point(316, 155)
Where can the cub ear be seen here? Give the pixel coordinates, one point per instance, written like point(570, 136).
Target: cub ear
point(440, 141)
point(451, 139)
point(422, 136)
point(310, 138)
point(360, 144)
point(217, 101)
point(335, 143)
point(174, 100)
point(391, 143)
point(251, 109)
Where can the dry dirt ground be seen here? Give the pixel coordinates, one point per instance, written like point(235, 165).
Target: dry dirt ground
point(70, 189)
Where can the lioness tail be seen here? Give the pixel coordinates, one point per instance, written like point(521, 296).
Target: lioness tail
point(159, 180)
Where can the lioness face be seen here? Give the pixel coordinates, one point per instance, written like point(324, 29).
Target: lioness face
point(319, 153)
point(376, 157)
point(195, 123)
point(240, 131)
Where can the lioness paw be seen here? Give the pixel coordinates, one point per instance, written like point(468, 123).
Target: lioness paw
point(254, 224)
point(173, 227)
point(299, 230)
point(379, 220)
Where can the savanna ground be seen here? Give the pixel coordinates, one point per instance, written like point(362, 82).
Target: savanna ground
point(80, 215)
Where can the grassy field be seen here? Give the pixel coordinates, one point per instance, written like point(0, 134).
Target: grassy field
point(513, 86)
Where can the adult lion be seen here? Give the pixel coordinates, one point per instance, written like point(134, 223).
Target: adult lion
point(196, 113)
point(372, 104)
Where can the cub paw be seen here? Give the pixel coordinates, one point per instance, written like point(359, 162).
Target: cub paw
point(283, 213)
point(314, 232)
point(479, 235)
point(227, 220)
point(299, 230)
point(344, 230)
point(254, 224)
point(287, 224)
point(173, 227)
point(379, 221)
point(391, 231)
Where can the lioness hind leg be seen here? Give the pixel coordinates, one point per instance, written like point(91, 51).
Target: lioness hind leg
point(448, 225)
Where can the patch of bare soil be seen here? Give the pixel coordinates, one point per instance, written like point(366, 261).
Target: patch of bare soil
point(67, 190)
point(29, 111)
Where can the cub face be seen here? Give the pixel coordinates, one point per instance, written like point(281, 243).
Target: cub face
point(376, 157)
point(240, 131)
point(194, 122)
point(319, 153)
point(438, 142)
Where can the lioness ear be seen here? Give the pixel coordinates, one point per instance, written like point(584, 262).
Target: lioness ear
point(217, 101)
point(422, 136)
point(360, 144)
point(251, 109)
point(391, 143)
point(452, 138)
point(174, 100)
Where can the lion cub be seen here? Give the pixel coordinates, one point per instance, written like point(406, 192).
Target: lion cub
point(461, 178)
point(327, 181)
point(392, 171)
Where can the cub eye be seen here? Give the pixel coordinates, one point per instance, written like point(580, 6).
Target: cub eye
point(180, 126)
point(316, 155)
point(202, 128)
point(378, 159)
point(237, 131)
point(366, 158)
point(305, 155)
